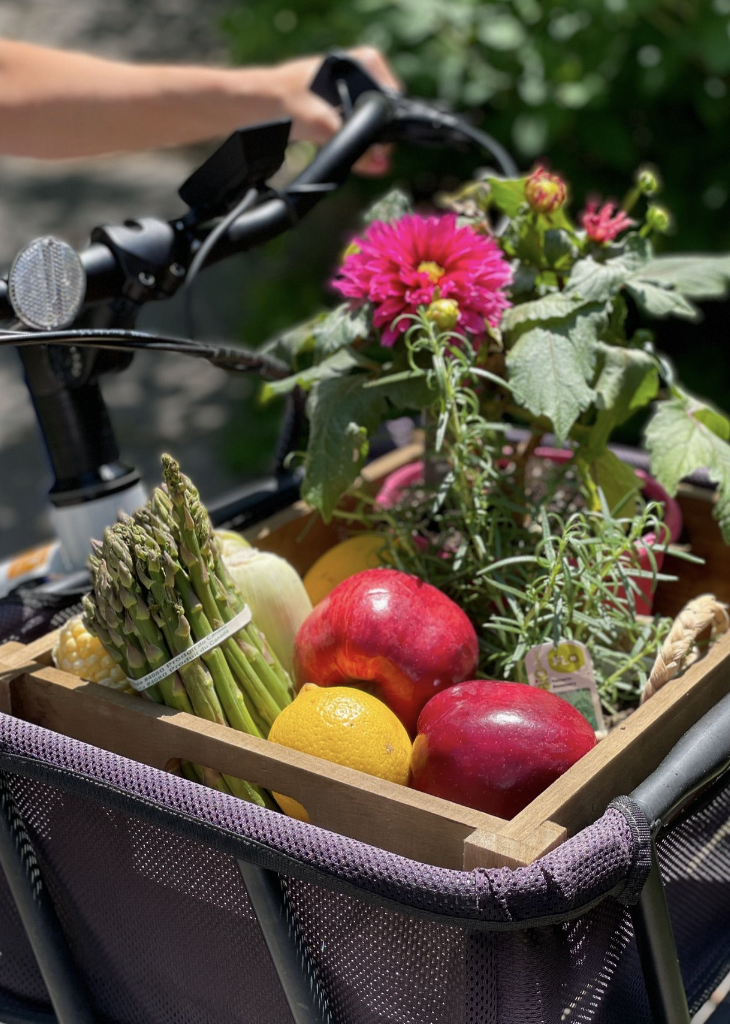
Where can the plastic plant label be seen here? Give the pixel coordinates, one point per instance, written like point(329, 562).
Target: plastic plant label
point(566, 670)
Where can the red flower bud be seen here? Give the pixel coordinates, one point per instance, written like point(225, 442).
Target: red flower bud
point(545, 192)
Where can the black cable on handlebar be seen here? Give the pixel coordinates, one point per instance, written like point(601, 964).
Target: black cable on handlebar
point(236, 359)
point(205, 250)
point(485, 141)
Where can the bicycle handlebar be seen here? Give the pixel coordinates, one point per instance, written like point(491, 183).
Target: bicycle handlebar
point(142, 260)
point(159, 246)
point(105, 276)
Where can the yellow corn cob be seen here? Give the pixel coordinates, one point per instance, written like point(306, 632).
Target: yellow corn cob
point(83, 655)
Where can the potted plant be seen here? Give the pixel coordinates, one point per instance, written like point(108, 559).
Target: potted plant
point(499, 311)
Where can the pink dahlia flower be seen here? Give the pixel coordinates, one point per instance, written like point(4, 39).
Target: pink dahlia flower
point(603, 225)
point(410, 263)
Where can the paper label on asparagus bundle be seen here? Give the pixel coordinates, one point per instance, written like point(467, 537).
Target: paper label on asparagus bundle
point(566, 670)
point(214, 639)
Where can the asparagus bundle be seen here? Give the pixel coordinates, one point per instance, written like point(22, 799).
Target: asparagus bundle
point(160, 586)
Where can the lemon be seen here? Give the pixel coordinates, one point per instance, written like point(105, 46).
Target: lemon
point(346, 726)
point(363, 551)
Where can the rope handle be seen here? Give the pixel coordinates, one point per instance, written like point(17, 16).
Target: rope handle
point(698, 615)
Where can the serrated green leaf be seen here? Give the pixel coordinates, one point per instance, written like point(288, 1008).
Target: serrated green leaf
point(555, 306)
point(508, 194)
point(685, 435)
point(393, 205)
point(336, 365)
point(598, 281)
point(342, 416)
point(696, 277)
point(548, 374)
point(339, 328)
point(659, 301)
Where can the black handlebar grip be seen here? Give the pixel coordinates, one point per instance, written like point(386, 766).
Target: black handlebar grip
point(339, 72)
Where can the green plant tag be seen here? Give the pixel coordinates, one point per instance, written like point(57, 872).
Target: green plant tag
point(566, 670)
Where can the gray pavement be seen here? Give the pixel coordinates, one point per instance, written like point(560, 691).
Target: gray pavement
point(161, 402)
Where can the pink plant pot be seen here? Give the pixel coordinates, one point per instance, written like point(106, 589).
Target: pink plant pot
point(413, 474)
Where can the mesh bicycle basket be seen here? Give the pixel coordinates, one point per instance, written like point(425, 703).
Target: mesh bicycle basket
point(141, 868)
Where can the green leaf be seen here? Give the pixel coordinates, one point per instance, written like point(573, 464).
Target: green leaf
point(340, 328)
point(336, 365)
point(408, 390)
point(554, 306)
point(628, 380)
point(660, 301)
point(342, 416)
point(598, 281)
point(294, 342)
point(508, 194)
point(393, 205)
point(684, 435)
point(697, 277)
point(558, 248)
point(618, 481)
point(715, 421)
point(549, 379)
point(551, 366)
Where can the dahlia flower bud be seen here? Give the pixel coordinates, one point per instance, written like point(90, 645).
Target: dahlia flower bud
point(444, 313)
point(647, 182)
point(545, 192)
point(658, 218)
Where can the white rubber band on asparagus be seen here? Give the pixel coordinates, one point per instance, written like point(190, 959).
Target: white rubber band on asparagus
point(214, 639)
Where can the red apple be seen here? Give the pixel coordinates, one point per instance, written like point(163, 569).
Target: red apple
point(390, 634)
point(495, 746)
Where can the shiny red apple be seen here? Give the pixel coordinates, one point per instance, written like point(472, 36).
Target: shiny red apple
point(391, 634)
point(495, 746)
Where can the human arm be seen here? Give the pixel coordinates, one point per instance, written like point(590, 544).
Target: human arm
point(56, 104)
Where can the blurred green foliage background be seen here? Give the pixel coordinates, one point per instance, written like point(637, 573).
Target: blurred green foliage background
point(594, 88)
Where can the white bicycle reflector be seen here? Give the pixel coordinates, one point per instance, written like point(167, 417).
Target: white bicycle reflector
point(47, 284)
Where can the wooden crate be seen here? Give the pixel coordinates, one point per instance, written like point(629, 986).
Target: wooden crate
point(372, 810)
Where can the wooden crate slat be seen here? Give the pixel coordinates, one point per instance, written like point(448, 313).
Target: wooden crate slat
point(341, 799)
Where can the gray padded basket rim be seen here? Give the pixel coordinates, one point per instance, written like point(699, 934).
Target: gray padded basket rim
point(258, 853)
